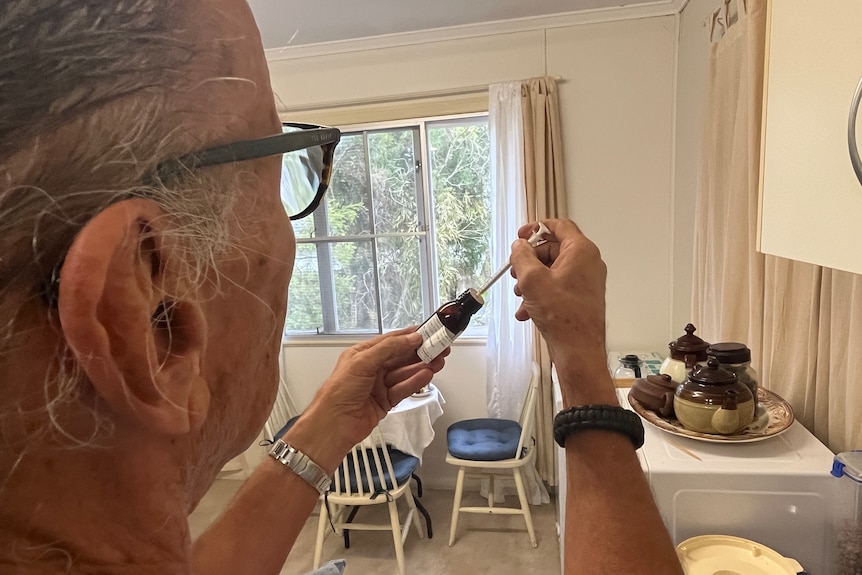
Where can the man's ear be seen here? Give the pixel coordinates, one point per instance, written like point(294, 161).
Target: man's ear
point(140, 349)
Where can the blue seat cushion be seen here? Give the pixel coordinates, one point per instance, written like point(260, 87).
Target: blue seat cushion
point(403, 465)
point(484, 439)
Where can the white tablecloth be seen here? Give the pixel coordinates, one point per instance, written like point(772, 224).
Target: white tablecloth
point(409, 426)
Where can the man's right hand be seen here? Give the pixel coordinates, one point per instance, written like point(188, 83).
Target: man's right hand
point(562, 284)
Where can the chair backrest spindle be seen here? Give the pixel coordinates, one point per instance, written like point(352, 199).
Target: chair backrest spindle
point(528, 410)
point(364, 462)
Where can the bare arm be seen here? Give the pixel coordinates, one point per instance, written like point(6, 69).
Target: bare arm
point(612, 523)
point(258, 529)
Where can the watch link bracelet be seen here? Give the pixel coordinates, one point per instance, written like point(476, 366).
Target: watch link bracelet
point(301, 464)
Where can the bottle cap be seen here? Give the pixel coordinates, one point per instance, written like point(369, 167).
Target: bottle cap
point(471, 300)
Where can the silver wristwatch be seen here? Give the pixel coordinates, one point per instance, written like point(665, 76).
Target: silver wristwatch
point(301, 464)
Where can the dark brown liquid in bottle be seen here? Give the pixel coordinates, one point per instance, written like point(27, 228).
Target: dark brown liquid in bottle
point(447, 323)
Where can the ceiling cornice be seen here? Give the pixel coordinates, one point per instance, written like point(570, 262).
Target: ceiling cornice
point(635, 12)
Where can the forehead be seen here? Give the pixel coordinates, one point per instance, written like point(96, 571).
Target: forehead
point(229, 78)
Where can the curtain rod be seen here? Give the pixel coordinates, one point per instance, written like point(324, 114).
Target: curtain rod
point(400, 98)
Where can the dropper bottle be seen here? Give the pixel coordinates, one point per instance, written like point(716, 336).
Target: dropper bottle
point(452, 318)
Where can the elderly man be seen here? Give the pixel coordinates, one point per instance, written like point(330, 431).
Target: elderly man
point(144, 261)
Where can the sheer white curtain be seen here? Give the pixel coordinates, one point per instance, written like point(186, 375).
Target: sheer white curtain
point(510, 342)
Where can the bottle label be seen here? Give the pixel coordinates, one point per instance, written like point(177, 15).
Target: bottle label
point(435, 338)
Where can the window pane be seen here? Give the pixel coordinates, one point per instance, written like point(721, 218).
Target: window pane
point(393, 180)
point(355, 293)
point(461, 193)
point(304, 313)
point(348, 199)
point(337, 284)
point(400, 282)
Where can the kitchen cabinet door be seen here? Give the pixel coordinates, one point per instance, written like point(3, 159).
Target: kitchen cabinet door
point(810, 196)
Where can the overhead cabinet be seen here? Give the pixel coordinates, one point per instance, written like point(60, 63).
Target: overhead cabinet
point(811, 196)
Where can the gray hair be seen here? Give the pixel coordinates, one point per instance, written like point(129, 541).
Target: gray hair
point(62, 60)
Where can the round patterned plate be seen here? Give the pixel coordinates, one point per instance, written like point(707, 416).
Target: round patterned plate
point(774, 416)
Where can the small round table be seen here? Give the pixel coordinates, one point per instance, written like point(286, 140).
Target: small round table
point(409, 426)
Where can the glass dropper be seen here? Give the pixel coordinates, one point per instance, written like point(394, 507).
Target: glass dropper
point(535, 240)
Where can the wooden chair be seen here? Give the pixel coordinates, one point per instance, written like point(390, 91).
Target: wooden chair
point(368, 476)
point(487, 446)
point(399, 459)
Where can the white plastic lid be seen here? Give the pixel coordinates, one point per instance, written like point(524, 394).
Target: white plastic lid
point(728, 555)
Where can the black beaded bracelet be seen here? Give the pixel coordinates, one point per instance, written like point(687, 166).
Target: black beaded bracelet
point(604, 417)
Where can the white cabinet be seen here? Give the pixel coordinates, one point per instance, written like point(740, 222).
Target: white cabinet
point(811, 199)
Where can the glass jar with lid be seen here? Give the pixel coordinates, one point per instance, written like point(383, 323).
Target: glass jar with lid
point(735, 357)
point(631, 367)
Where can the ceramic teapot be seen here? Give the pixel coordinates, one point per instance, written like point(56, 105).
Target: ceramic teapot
point(656, 393)
point(712, 400)
point(685, 352)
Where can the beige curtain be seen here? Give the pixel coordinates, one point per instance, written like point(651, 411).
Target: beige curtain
point(546, 198)
point(802, 322)
point(728, 282)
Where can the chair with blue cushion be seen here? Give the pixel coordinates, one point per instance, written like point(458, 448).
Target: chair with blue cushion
point(370, 475)
point(401, 462)
point(483, 447)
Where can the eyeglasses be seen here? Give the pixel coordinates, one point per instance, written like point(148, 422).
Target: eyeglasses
point(308, 150)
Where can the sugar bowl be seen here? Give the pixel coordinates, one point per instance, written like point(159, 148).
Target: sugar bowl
point(713, 400)
point(685, 352)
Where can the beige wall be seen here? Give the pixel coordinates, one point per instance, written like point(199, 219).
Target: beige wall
point(617, 107)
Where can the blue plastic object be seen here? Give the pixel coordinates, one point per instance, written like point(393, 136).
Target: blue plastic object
point(848, 464)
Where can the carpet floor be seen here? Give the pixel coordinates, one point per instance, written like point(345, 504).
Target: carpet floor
point(484, 544)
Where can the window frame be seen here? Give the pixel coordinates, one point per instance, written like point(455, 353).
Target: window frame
point(425, 234)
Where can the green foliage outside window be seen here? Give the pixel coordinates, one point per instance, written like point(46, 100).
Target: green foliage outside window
point(367, 242)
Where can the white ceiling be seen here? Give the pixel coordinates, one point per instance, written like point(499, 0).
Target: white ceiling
point(294, 22)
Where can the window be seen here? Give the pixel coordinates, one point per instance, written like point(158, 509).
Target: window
point(404, 227)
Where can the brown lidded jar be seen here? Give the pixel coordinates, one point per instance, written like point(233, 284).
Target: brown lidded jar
point(685, 352)
point(712, 400)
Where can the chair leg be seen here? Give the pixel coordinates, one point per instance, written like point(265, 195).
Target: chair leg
point(427, 517)
point(421, 507)
point(350, 517)
point(396, 536)
point(412, 505)
point(525, 506)
point(418, 484)
point(456, 505)
point(321, 531)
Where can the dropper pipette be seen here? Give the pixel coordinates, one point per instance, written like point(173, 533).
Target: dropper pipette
point(535, 240)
